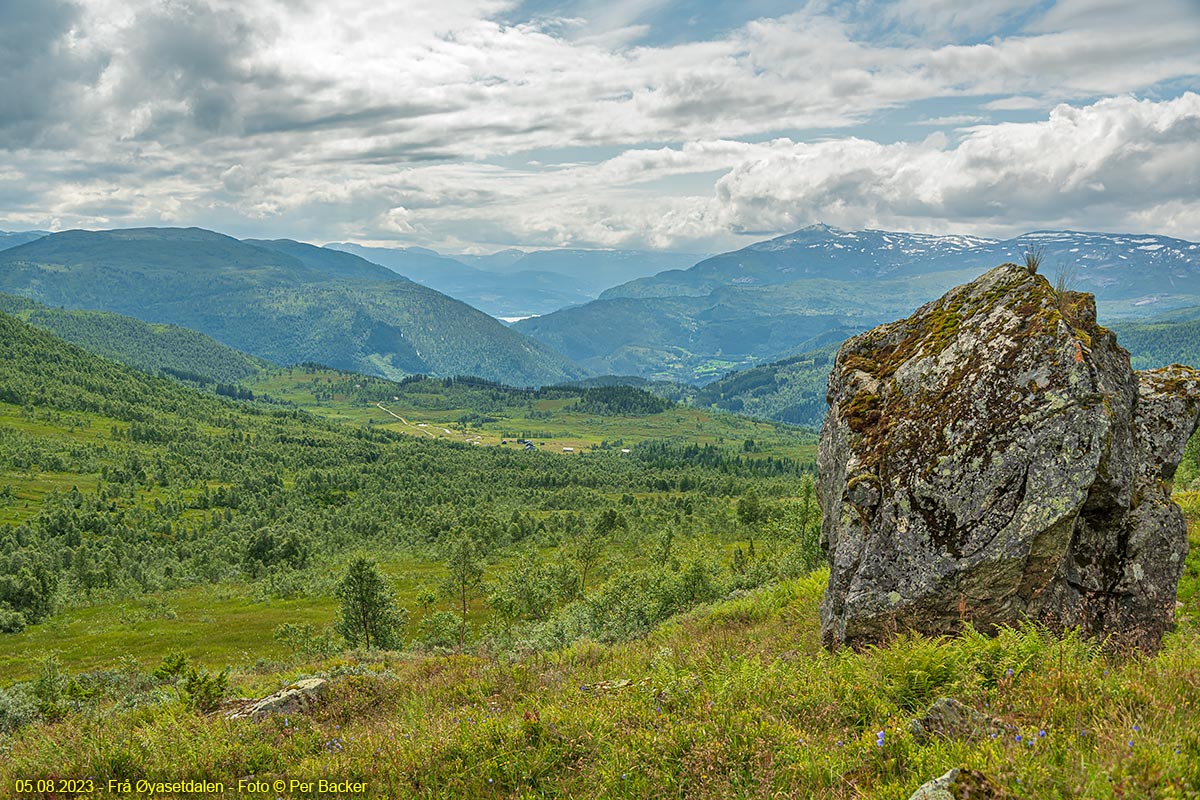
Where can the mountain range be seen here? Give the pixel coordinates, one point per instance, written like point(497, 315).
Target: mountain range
point(788, 295)
point(780, 306)
point(283, 301)
point(512, 284)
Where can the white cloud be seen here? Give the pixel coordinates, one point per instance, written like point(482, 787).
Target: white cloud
point(331, 120)
point(1106, 164)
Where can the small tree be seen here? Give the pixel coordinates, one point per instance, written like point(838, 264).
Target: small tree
point(588, 547)
point(464, 577)
point(368, 615)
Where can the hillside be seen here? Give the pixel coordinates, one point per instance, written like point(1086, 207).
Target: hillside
point(144, 346)
point(697, 338)
point(684, 324)
point(284, 301)
point(1172, 338)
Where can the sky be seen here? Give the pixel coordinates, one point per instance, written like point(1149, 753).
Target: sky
point(694, 125)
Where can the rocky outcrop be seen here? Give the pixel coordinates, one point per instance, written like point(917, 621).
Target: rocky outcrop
point(960, 784)
point(297, 697)
point(993, 458)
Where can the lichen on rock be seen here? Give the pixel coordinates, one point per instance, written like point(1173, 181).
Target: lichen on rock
point(994, 457)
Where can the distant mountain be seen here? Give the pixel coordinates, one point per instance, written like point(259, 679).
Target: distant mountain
point(516, 295)
point(515, 283)
point(15, 238)
point(149, 347)
point(283, 301)
point(593, 270)
point(331, 263)
point(793, 389)
point(763, 302)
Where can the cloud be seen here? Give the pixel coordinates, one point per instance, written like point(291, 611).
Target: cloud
point(448, 121)
point(1109, 163)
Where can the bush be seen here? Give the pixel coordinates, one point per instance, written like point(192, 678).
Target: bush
point(439, 629)
point(11, 621)
point(174, 664)
point(368, 615)
point(17, 709)
point(50, 689)
point(203, 691)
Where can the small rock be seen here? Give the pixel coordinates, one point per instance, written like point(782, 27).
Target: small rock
point(960, 784)
point(947, 718)
point(298, 697)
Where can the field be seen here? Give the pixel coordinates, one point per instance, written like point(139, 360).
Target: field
point(493, 415)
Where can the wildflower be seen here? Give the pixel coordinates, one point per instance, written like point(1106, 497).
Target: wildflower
point(1009, 673)
point(1018, 738)
point(1041, 734)
point(1136, 729)
point(1131, 743)
point(879, 737)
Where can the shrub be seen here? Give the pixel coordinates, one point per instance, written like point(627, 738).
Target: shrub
point(50, 688)
point(174, 664)
point(204, 690)
point(368, 615)
point(439, 629)
point(17, 708)
point(11, 621)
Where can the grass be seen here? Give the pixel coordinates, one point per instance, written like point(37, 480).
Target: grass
point(552, 421)
point(737, 699)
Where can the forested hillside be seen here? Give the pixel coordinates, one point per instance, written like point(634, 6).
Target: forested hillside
point(286, 302)
point(1170, 339)
point(144, 346)
point(793, 389)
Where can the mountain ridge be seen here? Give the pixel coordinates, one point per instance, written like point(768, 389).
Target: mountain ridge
point(266, 300)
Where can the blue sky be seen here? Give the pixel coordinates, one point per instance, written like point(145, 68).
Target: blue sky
point(472, 125)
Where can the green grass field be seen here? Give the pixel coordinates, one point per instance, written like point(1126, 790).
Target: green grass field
point(548, 421)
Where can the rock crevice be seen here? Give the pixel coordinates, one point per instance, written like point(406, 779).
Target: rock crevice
point(994, 457)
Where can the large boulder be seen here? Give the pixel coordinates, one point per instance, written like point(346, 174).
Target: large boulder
point(994, 458)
